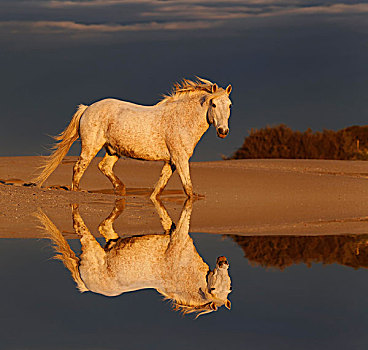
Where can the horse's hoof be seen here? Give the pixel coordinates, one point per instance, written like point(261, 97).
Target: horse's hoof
point(120, 191)
point(197, 196)
point(74, 206)
point(155, 196)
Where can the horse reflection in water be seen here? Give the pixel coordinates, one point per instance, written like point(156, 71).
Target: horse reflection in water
point(166, 262)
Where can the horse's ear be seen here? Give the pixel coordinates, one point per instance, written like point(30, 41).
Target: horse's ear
point(228, 89)
point(214, 88)
point(228, 304)
point(213, 306)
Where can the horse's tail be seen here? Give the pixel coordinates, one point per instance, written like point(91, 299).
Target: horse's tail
point(61, 246)
point(66, 138)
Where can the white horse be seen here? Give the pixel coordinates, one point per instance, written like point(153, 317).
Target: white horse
point(167, 131)
point(167, 262)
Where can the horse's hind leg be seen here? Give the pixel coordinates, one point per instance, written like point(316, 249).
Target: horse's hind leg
point(91, 249)
point(106, 165)
point(81, 165)
point(105, 228)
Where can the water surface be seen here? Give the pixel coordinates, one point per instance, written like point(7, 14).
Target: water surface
point(288, 293)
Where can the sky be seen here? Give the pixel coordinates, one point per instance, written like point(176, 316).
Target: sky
point(298, 62)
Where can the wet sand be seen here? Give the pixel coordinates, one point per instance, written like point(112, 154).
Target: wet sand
point(247, 197)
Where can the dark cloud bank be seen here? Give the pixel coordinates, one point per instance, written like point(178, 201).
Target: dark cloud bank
point(290, 62)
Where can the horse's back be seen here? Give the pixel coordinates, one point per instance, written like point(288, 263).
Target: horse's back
point(105, 111)
point(129, 129)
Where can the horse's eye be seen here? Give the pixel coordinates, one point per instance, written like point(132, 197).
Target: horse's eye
point(213, 105)
point(212, 289)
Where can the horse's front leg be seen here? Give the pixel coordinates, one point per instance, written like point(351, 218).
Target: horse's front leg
point(182, 165)
point(166, 222)
point(166, 173)
point(179, 236)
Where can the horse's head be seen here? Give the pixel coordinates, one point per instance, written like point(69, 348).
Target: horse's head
point(219, 283)
point(219, 110)
point(211, 295)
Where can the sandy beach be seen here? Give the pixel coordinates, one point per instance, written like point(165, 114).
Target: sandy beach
point(246, 197)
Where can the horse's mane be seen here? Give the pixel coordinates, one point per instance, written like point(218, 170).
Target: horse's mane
point(187, 307)
point(187, 86)
point(199, 310)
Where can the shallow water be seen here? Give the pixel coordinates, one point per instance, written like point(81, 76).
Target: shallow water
point(288, 293)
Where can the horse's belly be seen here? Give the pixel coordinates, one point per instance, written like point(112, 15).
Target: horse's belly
point(140, 145)
point(143, 153)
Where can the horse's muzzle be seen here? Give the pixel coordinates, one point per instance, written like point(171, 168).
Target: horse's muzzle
point(222, 133)
point(222, 261)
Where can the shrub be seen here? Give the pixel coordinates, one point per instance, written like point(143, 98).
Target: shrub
point(282, 142)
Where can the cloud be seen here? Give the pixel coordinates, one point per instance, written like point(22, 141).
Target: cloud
point(202, 12)
point(96, 16)
point(218, 9)
point(328, 9)
point(48, 27)
point(97, 3)
point(92, 3)
point(221, 7)
point(233, 12)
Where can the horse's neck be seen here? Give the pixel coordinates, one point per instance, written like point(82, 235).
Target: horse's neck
point(186, 285)
point(198, 117)
point(193, 115)
point(185, 272)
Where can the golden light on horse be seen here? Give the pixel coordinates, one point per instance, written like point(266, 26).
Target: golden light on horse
point(168, 131)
